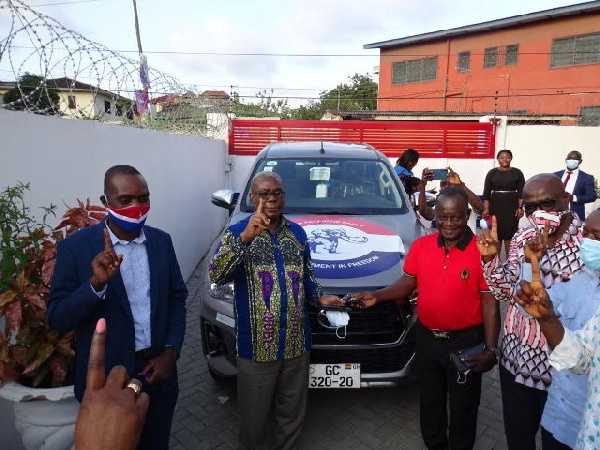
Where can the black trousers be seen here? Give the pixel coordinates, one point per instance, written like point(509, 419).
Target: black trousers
point(163, 398)
point(522, 408)
point(549, 442)
point(438, 382)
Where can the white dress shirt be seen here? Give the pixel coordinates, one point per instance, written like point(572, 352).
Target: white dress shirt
point(571, 183)
point(135, 272)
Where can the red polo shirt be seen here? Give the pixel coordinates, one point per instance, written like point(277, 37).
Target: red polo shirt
point(449, 282)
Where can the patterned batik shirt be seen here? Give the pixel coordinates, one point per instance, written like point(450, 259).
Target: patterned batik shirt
point(523, 344)
point(273, 279)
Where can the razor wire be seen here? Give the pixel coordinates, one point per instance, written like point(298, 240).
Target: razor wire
point(46, 68)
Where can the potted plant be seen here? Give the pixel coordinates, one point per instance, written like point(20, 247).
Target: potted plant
point(31, 353)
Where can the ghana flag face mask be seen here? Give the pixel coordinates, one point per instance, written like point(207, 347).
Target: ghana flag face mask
point(131, 218)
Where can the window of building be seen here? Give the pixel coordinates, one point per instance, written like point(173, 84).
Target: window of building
point(511, 55)
point(490, 57)
point(504, 55)
point(589, 116)
point(107, 107)
point(575, 50)
point(71, 102)
point(414, 71)
point(464, 62)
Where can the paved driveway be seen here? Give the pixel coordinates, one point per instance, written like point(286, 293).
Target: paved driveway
point(382, 418)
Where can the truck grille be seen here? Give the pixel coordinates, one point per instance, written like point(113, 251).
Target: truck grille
point(372, 360)
point(381, 324)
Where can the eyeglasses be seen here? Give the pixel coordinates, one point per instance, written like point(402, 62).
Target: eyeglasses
point(277, 194)
point(546, 205)
point(449, 219)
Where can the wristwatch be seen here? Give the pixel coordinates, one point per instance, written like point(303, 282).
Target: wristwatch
point(494, 350)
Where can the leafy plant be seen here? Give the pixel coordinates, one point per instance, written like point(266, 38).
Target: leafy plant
point(36, 355)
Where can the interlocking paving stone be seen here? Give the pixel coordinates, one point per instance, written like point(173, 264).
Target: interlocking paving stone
point(377, 419)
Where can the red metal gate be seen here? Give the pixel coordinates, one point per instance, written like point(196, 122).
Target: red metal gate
point(430, 139)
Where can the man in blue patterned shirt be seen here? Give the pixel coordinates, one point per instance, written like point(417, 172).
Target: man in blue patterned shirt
point(268, 259)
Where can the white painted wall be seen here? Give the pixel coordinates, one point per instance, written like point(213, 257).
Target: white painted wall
point(544, 148)
point(66, 159)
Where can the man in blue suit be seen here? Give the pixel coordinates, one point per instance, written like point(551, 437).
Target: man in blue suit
point(127, 273)
point(577, 183)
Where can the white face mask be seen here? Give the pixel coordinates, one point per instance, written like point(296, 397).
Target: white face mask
point(338, 319)
point(572, 164)
point(540, 218)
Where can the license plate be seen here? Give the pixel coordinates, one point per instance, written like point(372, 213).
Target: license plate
point(345, 376)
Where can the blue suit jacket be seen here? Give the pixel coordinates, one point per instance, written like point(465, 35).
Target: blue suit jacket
point(584, 190)
point(74, 306)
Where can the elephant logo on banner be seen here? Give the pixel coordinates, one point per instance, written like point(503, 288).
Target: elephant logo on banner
point(350, 247)
point(327, 239)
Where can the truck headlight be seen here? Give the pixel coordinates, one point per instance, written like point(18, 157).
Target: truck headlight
point(222, 291)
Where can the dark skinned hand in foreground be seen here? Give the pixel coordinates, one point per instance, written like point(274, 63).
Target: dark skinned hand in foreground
point(111, 415)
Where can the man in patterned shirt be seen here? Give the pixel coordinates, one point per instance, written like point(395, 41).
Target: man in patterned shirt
point(570, 309)
point(268, 259)
point(555, 235)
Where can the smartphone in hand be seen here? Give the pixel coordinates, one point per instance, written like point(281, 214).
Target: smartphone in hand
point(440, 174)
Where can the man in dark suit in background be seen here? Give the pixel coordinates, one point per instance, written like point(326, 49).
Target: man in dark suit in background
point(577, 183)
point(127, 273)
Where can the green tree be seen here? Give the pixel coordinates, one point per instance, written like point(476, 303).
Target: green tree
point(266, 106)
point(32, 93)
point(357, 95)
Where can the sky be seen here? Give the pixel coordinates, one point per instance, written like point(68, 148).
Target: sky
point(298, 48)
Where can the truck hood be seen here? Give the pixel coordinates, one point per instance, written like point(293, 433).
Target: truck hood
point(358, 252)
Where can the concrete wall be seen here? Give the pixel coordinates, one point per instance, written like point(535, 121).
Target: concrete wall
point(66, 159)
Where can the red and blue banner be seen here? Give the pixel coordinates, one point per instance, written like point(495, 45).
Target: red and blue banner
point(348, 247)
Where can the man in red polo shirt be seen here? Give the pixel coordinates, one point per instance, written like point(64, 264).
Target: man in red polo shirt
point(456, 311)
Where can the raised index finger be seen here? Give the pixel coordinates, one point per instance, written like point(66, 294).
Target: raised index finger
point(545, 232)
point(96, 375)
point(494, 231)
point(535, 269)
point(107, 241)
point(261, 205)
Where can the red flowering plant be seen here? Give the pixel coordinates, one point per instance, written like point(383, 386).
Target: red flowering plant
point(30, 352)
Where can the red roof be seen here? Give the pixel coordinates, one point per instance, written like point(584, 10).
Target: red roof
point(215, 94)
point(169, 98)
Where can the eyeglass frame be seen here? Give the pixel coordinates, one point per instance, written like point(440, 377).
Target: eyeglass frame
point(538, 206)
point(454, 220)
point(278, 194)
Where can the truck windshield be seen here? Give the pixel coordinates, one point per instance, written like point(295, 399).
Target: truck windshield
point(330, 186)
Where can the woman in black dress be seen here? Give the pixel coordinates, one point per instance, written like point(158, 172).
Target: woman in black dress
point(503, 197)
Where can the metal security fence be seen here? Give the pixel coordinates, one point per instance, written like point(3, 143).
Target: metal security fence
point(432, 139)
point(46, 68)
